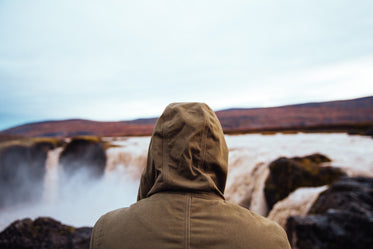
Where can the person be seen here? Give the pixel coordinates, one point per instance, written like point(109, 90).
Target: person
point(180, 202)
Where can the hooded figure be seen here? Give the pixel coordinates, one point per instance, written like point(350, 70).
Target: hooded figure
point(180, 203)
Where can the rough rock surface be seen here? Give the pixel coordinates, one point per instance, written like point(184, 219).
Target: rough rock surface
point(342, 217)
point(84, 153)
point(22, 170)
point(288, 174)
point(44, 233)
point(352, 194)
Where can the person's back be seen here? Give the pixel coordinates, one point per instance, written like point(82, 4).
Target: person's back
point(181, 196)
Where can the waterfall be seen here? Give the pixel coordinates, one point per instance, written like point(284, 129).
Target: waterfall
point(245, 186)
point(51, 176)
point(128, 155)
point(297, 203)
point(79, 200)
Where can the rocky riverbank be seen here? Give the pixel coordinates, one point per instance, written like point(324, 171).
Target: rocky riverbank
point(44, 233)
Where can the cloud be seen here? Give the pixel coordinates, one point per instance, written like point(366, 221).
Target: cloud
point(126, 59)
point(333, 81)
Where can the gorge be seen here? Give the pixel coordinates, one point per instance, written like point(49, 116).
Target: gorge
point(79, 198)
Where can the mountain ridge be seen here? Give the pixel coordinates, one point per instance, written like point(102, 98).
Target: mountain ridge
point(340, 115)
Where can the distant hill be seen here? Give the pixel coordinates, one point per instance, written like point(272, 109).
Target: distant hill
point(354, 116)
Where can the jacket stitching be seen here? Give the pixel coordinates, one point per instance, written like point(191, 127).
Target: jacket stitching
point(187, 220)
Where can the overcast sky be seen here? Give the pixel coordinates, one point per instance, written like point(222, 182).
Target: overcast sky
point(117, 60)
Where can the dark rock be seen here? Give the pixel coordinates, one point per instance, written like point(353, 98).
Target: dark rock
point(22, 170)
point(335, 229)
point(288, 174)
point(44, 233)
point(314, 158)
point(352, 194)
point(369, 132)
point(342, 217)
point(84, 153)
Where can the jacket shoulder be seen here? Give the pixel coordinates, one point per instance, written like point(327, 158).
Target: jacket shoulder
point(265, 232)
point(98, 231)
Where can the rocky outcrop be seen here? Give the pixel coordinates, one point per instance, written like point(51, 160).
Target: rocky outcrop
point(288, 174)
point(84, 153)
point(22, 169)
point(352, 194)
point(44, 233)
point(342, 217)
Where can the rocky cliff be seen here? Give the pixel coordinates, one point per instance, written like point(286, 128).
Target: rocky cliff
point(23, 164)
point(288, 174)
point(22, 169)
point(84, 153)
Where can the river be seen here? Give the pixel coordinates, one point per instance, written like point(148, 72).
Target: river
point(80, 201)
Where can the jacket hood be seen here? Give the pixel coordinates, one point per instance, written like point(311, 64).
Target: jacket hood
point(187, 152)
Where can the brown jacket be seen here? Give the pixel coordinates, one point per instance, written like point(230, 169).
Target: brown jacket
point(181, 195)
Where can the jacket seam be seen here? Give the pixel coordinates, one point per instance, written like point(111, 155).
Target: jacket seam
point(187, 220)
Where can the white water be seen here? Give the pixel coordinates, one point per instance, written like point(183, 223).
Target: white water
point(297, 203)
point(80, 201)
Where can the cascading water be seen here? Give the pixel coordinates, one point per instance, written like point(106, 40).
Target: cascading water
point(297, 203)
point(51, 176)
point(129, 154)
point(79, 201)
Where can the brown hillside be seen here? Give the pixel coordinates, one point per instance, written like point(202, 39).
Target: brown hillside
point(347, 115)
